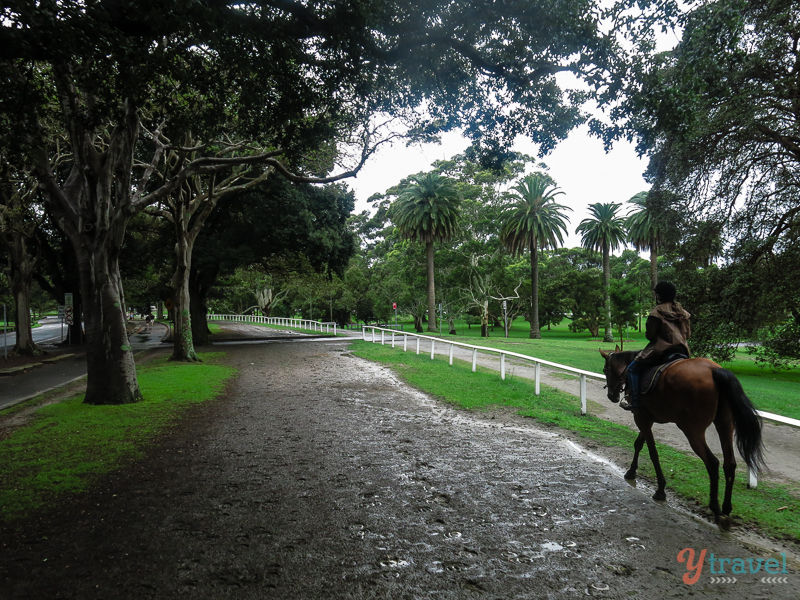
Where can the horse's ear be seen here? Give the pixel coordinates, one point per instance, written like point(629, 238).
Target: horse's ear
point(617, 349)
point(603, 353)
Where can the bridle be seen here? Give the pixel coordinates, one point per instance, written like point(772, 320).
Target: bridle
point(619, 387)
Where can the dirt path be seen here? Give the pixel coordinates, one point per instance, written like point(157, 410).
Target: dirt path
point(321, 476)
point(782, 442)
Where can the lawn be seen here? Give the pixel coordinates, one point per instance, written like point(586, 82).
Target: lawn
point(686, 474)
point(68, 445)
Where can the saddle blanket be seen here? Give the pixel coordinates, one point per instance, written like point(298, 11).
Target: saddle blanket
point(649, 376)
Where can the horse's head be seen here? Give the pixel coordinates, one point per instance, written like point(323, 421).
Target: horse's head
point(614, 370)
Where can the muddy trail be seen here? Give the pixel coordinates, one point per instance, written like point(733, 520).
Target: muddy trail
point(320, 475)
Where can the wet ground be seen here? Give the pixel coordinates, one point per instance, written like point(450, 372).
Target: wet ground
point(320, 475)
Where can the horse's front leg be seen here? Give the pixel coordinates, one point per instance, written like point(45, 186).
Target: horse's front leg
point(637, 447)
point(651, 448)
point(645, 424)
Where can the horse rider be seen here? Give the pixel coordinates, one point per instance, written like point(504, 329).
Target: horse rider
point(667, 330)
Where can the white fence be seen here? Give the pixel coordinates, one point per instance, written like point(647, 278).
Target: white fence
point(752, 477)
point(282, 321)
point(538, 362)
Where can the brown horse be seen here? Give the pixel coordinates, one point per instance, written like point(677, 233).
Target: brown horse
point(693, 394)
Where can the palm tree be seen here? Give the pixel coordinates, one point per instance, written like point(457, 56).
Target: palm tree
point(604, 231)
point(427, 211)
point(534, 221)
point(646, 231)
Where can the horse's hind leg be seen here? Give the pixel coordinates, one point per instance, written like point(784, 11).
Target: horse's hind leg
point(697, 439)
point(637, 447)
point(725, 431)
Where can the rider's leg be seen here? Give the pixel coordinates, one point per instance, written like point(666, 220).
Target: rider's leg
point(633, 386)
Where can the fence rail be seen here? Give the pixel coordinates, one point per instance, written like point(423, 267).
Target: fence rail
point(752, 476)
point(284, 321)
point(538, 362)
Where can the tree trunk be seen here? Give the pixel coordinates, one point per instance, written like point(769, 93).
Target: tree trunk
point(485, 319)
point(418, 323)
point(431, 289)
point(452, 324)
point(609, 335)
point(198, 312)
point(111, 372)
point(535, 331)
point(653, 267)
point(182, 343)
point(21, 277)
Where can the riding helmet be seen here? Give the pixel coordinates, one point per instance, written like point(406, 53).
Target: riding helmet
point(665, 291)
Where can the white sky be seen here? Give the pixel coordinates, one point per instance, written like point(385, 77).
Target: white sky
point(579, 165)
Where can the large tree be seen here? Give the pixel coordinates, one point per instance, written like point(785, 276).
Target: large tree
point(534, 221)
point(604, 231)
point(115, 76)
point(719, 117)
point(427, 211)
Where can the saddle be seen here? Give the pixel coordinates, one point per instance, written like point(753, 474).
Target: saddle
point(649, 376)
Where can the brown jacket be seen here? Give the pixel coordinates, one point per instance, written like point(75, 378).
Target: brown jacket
point(667, 330)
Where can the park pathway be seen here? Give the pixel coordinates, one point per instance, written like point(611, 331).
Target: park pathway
point(320, 475)
point(782, 442)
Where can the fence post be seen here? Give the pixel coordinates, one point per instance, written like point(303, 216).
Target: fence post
point(393, 339)
point(383, 337)
point(538, 376)
point(334, 329)
point(451, 353)
point(433, 342)
point(364, 333)
point(474, 359)
point(502, 366)
point(417, 344)
point(583, 394)
point(405, 343)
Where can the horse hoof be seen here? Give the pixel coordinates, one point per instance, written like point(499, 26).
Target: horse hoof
point(724, 522)
point(660, 496)
point(630, 475)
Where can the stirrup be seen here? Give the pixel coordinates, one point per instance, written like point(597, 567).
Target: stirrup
point(625, 405)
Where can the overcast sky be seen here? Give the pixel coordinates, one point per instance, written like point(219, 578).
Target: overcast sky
point(579, 165)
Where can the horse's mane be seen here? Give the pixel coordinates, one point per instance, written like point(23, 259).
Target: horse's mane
point(627, 355)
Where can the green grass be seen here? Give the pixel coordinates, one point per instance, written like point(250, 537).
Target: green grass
point(68, 445)
point(772, 392)
point(686, 474)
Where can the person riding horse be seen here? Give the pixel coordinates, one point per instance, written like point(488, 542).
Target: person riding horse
point(667, 330)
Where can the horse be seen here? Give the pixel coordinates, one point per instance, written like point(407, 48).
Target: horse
point(693, 393)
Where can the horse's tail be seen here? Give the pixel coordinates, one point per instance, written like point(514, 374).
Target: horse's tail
point(745, 418)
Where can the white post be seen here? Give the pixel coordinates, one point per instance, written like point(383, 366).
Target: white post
point(752, 478)
point(583, 394)
point(334, 329)
point(451, 353)
point(383, 337)
point(373, 336)
point(474, 359)
point(538, 376)
point(417, 345)
point(392, 339)
point(405, 343)
point(433, 342)
point(364, 333)
point(502, 366)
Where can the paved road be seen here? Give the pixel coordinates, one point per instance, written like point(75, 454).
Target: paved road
point(322, 476)
point(19, 388)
